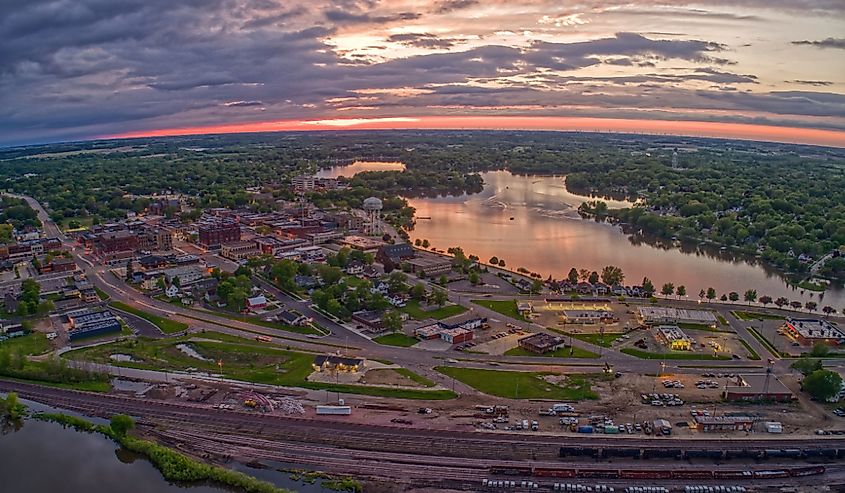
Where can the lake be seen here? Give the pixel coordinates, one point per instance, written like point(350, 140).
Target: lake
point(533, 222)
point(39, 456)
point(350, 170)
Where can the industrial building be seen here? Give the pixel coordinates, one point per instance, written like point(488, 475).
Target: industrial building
point(431, 264)
point(723, 423)
point(213, 233)
point(663, 315)
point(809, 331)
point(84, 323)
point(757, 386)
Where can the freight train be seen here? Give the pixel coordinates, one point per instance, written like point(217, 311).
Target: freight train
point(591, 473)
point(670, 453)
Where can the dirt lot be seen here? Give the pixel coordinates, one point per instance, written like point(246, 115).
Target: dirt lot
point(387, 377)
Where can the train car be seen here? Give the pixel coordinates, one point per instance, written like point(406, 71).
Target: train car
point(688, 474)
point(579, 452)
point(544, 472)
point(662, 453)
point(806, 471)
point(621, 452)
point(733, 474)
point(645, 474)
point(598, 473)
point(742, 454)
point(770, 474)
point(827, 453)
point(511, 470)
point(704, 454)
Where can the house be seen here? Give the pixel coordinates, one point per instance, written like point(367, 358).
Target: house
point(11, 303)
point(618, 290)
point(370, 319)
point(305, 282)
point(601, 288)
point(256, 303)
point(397, 300)
point(355, 268)
point(380, 287)
point(540, 343)
point(171, 291)
point(395, 254)
point(90, 295)
point(332, 362)
point(293, 318)
point(584, 287)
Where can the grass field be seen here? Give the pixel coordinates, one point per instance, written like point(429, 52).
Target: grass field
point(522, 384)
point(397, 339)
point(563, 352)
point(32, 344)
point(605, 340)
point(241, 359)
point(412, 308)
point(743, 315)
point(263, 323)
point(676, 355)
point(506, 308)
point(164, 324)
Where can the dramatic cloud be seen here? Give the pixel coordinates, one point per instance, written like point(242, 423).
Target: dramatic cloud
point(74, 69)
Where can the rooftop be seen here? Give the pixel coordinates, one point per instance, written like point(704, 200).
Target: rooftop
point(810, 328)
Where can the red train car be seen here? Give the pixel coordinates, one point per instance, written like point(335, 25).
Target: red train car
point(655, 474)
point(692, 474)
point(554, 473)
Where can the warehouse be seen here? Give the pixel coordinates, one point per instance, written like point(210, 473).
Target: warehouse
point(664, 315)
point(757, 386)
point(723, 423)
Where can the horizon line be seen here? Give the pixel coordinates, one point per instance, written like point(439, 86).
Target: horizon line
point(679, 128)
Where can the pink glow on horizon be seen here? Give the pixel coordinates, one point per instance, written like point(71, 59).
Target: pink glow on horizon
point(742, 131)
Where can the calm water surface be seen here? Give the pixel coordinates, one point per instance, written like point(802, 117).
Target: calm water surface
point(532, 222)
point(38, 457)
point(348, 171)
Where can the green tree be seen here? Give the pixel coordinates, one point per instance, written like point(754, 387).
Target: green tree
point(750, 296)
point(443, 279)
point(329, 274)
point(667, 289)
point(396, 281)
point(733, 296)
point(711, 294)
point(648, 287)
point(417, 242)
point(573, 275)
point(439, 296)
point(765, 299)
point(593, 278)
point(536, 286)
point(807, 365)
point(425, 243)
point(820, 350)
point(417, 291)
point(474, 278)
point(494, 260)
point(681, 291)
point(611, 275)
point(392, 321)
point(121, 424)
point(822, 384)
point(702, 294)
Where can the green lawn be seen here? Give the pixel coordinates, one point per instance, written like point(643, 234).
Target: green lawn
point(242, 359)
point(563, 352)
point(101, 294)
point(765, 342)
point(396, 339)
point(722, 320)
point(605, 340)
point(506, 308)
point(743, 315)
point(693, 326)
point(752, 354)
point(522, 384)
point(32, 344)
point(164, 324)
point(674, 355)
point(412, 308)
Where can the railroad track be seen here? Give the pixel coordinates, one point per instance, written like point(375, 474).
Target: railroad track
point(367, 450)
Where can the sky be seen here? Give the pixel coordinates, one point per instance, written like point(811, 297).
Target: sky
point(758, 69)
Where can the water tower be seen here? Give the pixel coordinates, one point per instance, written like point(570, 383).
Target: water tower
point(372, 206)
